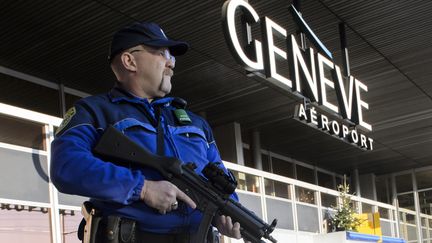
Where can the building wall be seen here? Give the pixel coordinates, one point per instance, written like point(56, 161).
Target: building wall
point(301, 195)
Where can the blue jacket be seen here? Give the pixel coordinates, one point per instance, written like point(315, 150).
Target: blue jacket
point(115, 189)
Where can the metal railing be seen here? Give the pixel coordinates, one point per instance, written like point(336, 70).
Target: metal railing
point(270, 192)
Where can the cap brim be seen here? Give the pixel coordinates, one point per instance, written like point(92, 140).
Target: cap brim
point(177, 48)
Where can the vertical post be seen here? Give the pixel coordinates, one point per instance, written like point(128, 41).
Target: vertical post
point(356, 180)
point(238, 144)
point(417, 207)
point(344, 47)
point(320, 211)
point(53, 194)
point(294, 207)
point(62, 100)
point(374, 190)
point(263, 198)
point(256, 150)
point(395, 204)
point(297, 5)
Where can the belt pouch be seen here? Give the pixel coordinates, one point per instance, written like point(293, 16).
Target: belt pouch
point(112, 229)
point(127, 231)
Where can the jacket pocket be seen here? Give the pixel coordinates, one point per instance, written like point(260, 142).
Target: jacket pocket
point(141, 132)
point(191, 144)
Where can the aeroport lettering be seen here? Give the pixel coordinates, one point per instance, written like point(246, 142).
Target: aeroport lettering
point(312, 74)
point(307, 69)
point(311, 117)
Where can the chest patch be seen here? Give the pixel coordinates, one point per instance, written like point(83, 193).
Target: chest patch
point(182, 117)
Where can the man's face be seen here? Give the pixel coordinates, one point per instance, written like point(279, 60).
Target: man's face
point(154, 70)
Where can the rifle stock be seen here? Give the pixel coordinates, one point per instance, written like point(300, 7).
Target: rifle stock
point(115, 147)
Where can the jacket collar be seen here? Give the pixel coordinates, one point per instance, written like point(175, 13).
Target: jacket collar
point(118, 94)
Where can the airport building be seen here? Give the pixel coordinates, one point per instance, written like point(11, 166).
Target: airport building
point(300, 95)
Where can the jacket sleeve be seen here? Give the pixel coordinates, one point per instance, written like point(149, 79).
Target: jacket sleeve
point(75, 170)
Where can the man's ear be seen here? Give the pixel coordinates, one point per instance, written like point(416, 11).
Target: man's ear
point(128, 61)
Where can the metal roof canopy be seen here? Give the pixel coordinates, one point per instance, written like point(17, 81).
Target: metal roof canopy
point(389, 45)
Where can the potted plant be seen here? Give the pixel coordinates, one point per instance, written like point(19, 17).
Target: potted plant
point(345, 218)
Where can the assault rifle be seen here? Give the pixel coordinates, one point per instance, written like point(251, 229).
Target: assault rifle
point(211, 194)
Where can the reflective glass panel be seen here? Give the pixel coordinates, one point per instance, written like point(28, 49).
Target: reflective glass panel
point(325, 180)
point(277, 189)
point(305, 195)
point(404, 183)
point(328, 200)
point(247, 182)
point(384, 213)
point(21, 132)
point(425, 198)
point(424, 180)
point(406, 201)
point(24, 224)
point(282, 167)
point(367, 208)
point(305, 174)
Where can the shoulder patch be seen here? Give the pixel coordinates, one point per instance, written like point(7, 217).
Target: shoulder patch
point(67, 118)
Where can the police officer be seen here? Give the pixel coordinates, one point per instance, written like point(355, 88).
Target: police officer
point(142, 59)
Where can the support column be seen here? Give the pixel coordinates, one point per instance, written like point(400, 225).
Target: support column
point(229, 141)
point(256, 150)
point(396, 204)
point(56, 233)
point(417, 207)
point(356, 182)
point(62, 100)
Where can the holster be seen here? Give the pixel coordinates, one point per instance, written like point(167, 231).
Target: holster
point(111, 229)
point(89, 225)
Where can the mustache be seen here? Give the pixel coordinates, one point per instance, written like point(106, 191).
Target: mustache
point(168, 72)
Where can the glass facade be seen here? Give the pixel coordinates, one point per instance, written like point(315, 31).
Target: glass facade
point(303, 200)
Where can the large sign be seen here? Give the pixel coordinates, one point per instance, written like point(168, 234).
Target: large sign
point(312, 74)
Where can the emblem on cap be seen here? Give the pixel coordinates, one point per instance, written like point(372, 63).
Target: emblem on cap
point(163, 33)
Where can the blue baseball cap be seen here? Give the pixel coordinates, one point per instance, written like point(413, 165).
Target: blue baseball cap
point(146, 33)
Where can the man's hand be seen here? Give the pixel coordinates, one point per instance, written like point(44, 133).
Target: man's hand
point(226, 227)
point(163, 196)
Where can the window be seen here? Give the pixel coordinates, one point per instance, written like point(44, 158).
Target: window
point(247, 182)
point(29, 96)
point(247, 158)
point(305, 174)
point(425, 198)
point(328, 200)
point(406, 201)
point(383, 188)
point(325, 180)
point(305, 195)
point(277, 189)
point(24, 224)
point(21, 132)
point(265, 162)
point(424, 179)
point(404, 183)
point(282, 167)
